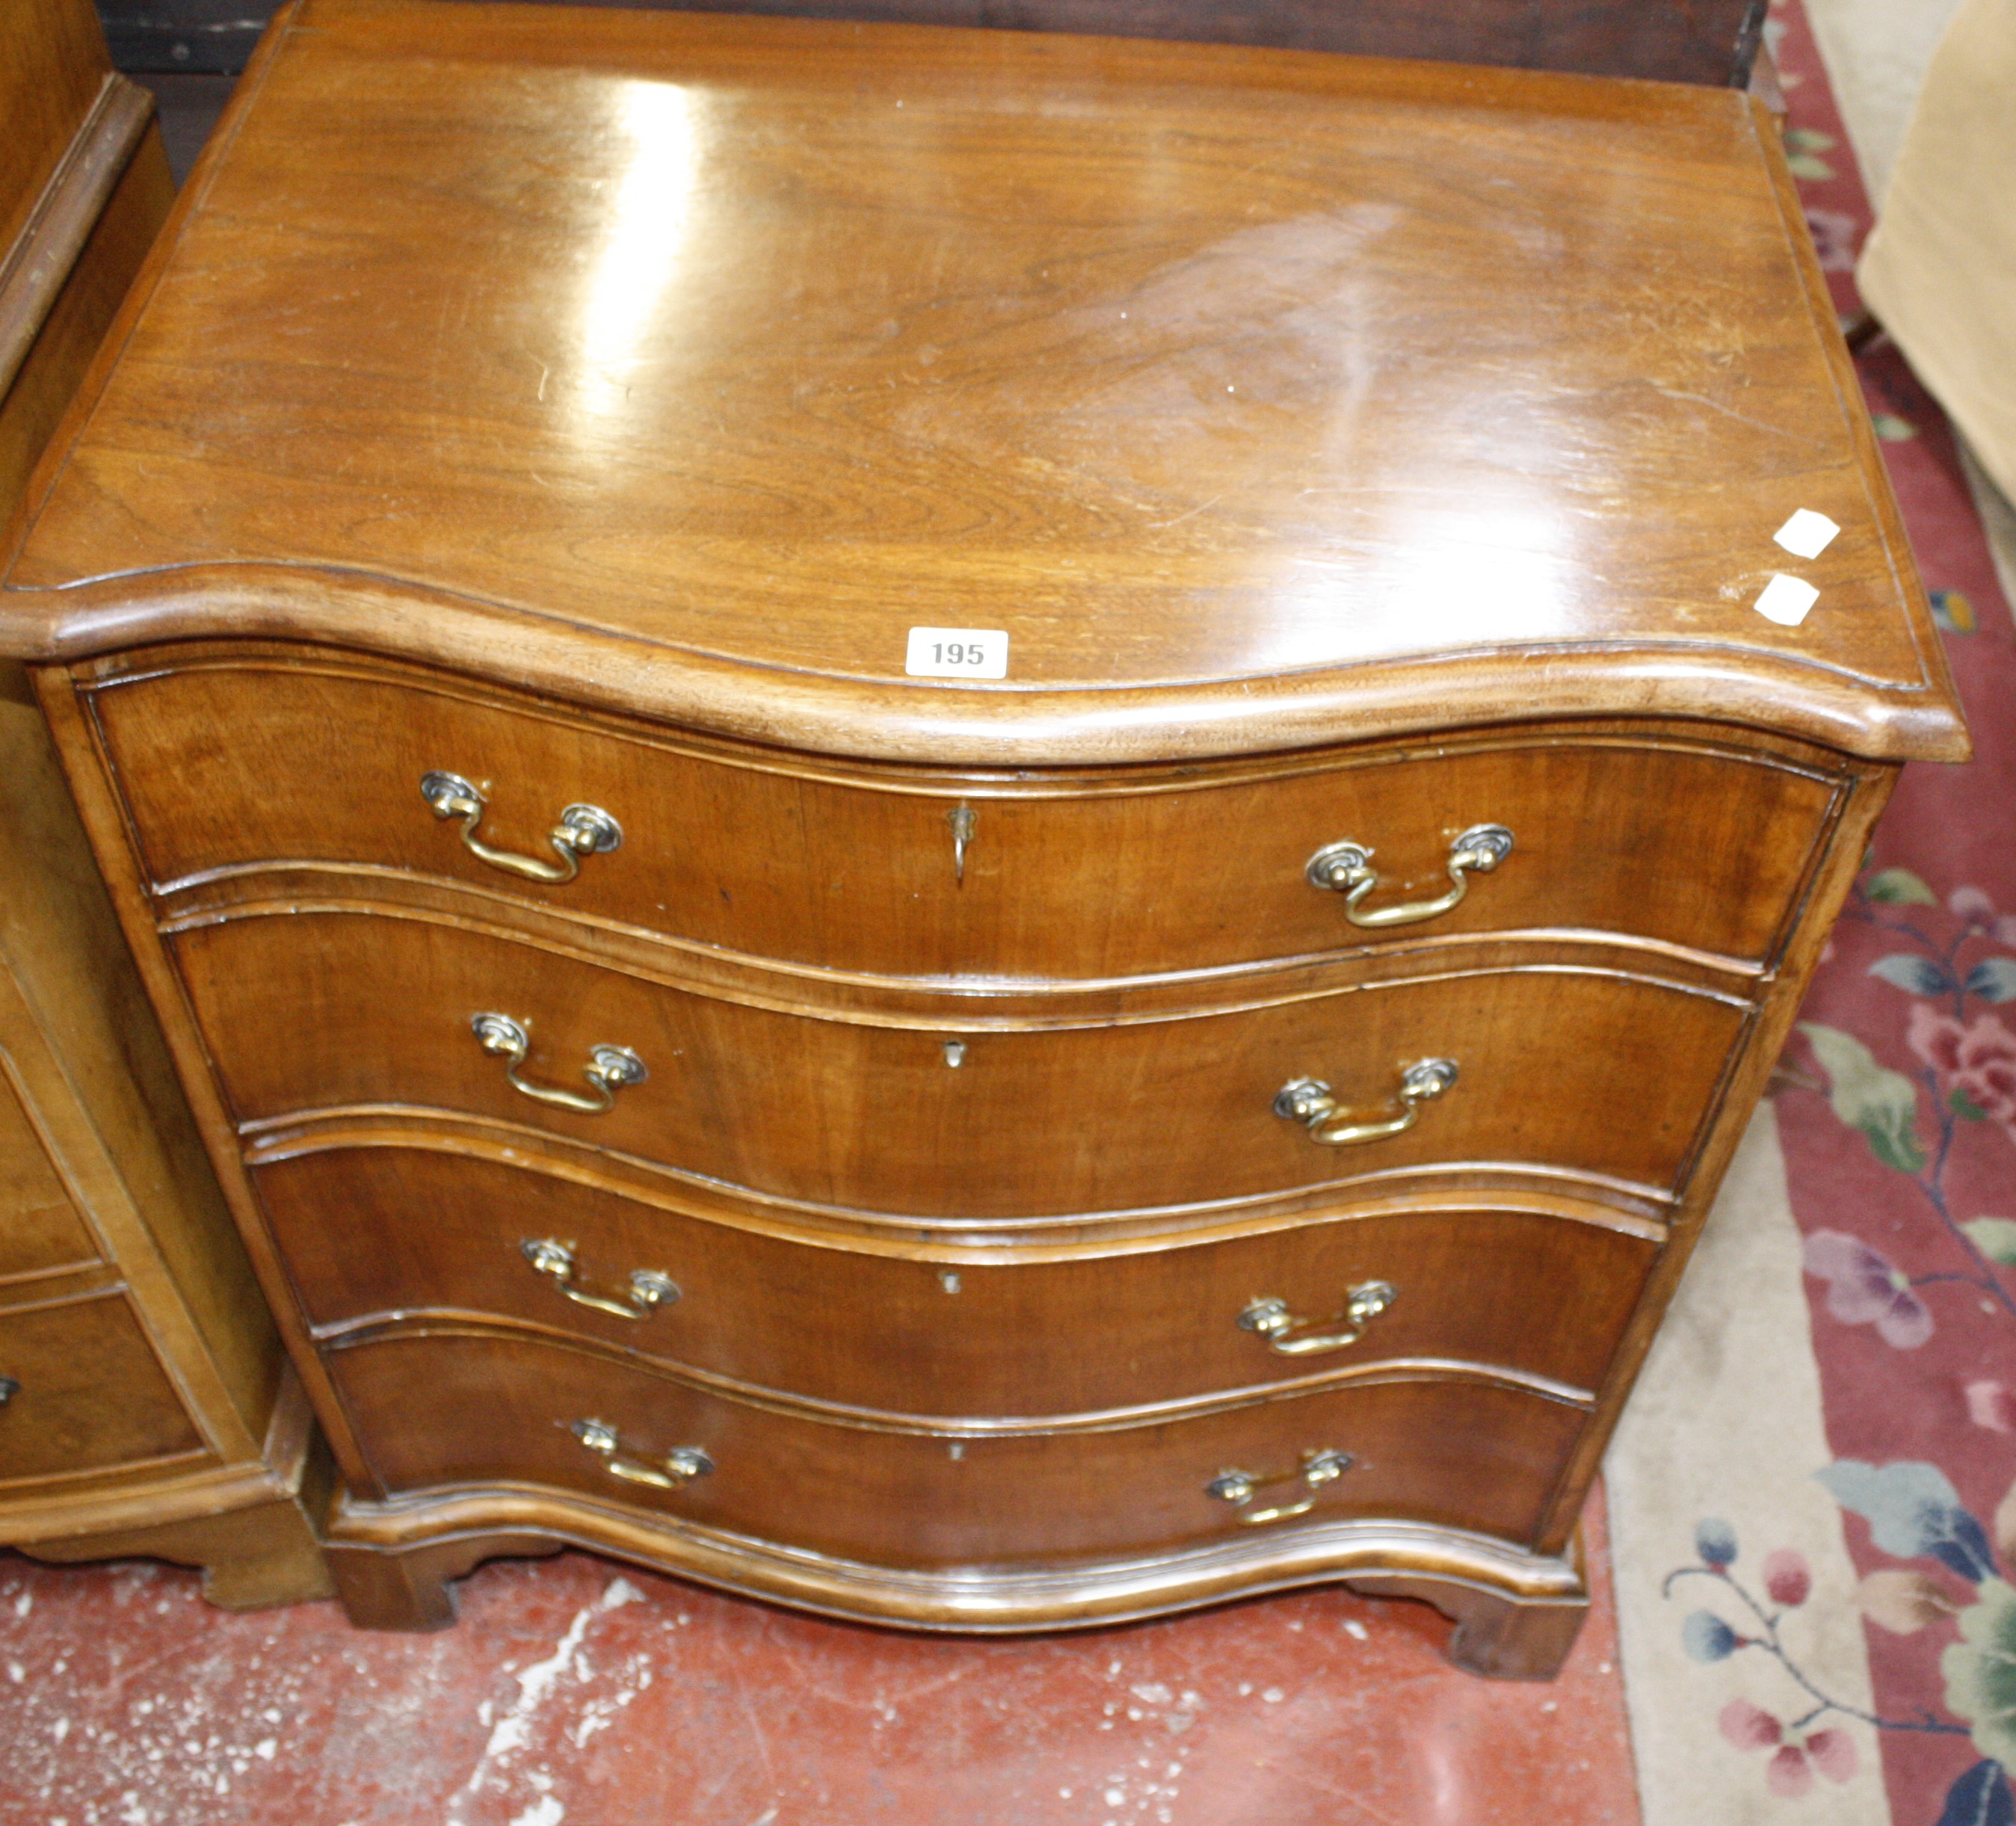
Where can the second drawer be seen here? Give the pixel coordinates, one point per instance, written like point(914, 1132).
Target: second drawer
point(370, 1234)
point(1574, 1070)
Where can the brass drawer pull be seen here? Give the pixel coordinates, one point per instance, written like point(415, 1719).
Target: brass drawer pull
point(583, 831)
point(649, 1289)
point(1238, 1488)
point(680, 1466)
point(609, 1068)
point(1271, 1319)
point(1308, 1100)
point(8, 1389)
point(1346, 868)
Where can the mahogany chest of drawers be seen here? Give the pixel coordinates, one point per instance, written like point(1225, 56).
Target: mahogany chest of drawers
point(989, 831)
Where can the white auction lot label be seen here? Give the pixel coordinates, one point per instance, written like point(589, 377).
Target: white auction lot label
point(957, 653)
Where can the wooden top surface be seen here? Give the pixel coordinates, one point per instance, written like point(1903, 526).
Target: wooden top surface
point(1262, 398)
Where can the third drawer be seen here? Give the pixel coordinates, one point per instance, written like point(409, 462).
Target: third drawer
point(1539, 1292)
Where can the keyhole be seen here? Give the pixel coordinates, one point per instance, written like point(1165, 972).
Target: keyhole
point(948, 1281)
point(955, 1053)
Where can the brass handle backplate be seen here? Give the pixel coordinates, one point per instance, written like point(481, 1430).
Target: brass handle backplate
point(1346, 869)
point(649, 1289)
point(583, 831)
point(1289, 1335)
point(1319, 1467)
point(1308, 1100)
point(609, 1068)
point(680, 1466)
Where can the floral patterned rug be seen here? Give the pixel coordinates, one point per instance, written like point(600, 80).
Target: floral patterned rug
point(1895, 1108)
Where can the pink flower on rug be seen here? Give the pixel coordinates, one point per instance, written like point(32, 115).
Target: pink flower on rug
point(1863, 1288)
point(1834, 239)
point(1992, 1404)
point(1787, 1578)
point(1978, 1060)
point(1790, 1773)
point(1972, 904)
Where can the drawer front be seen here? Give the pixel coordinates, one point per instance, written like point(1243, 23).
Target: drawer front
point(39, 1228)
point(87, 1392)
point(227, 767)
point(1563, 1068)
point(1461, 1455)
point(371, 1232)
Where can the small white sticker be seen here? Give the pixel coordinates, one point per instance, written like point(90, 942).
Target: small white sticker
point(957, 653)
point(1806, 535)
point(1786, 599)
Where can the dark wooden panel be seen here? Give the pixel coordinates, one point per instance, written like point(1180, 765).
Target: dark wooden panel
point(1674, 40)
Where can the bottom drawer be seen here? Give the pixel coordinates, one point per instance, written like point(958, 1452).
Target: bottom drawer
point(85, 1392)
point(464, 1408)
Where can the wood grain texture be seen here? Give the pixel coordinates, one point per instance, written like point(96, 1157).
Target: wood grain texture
point(855, 870)
point(53, 65)
point(788, 407)
point(956, 1339)
point(674, 372)
point(500, 1410)
point(143, 1414)
point(855, 1115)
point(257, 1548)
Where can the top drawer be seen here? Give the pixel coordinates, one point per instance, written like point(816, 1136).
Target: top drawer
point(232, 762)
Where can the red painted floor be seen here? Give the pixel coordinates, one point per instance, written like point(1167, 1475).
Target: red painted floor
point(576, 1690)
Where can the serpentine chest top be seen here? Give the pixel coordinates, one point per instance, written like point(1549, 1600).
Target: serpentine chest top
point(987, 830)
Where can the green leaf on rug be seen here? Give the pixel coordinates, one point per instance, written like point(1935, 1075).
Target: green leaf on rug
point(1891, 429)
point(1900, 887)
point(1882, 1104)
point(1993, 979)
point(1919, 975)
point(1994, 1237)
point(2003, 1522)
point(1980, 1671)
point(1903, 1601)
point(1965, 1107)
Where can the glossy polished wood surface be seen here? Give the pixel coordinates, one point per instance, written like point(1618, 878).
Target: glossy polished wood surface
point(1479, 1457)
point(765, 340)
point(145, 1407)
point(850, 870)
point(587, 405)
point(858, 1116)
point(941, 1334)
